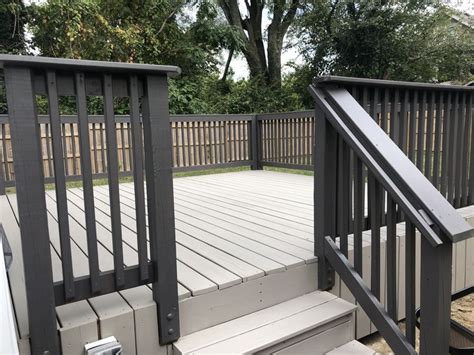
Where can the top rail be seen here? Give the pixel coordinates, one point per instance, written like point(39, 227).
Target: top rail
point(88, 65)
point(341, 80)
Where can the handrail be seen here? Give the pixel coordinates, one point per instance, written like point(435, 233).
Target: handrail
point(349, 138)
point(89, 65)
point(407, 177)
point(334, 79)
point(376, 168)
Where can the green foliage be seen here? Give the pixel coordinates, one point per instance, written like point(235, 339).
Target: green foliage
point(208, 94)
point(386, 39)
point(12, 20)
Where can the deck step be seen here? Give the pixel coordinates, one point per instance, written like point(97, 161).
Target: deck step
point(352, 347)
point(314, 323)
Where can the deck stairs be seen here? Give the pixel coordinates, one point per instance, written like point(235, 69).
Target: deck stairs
point(315, 323)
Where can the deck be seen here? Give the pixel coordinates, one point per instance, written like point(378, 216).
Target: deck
point(244, 242)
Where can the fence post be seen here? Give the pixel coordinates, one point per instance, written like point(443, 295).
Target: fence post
point(435, 297)
point(256, 145)
point(159, 184)
point(324, 158)
point(33, 219)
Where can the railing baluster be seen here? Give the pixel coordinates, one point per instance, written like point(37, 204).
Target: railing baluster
point(420, 143)
point(437, 140)
point(458, 149)
point(113, 179)
point(471, 165)
point(446, 144)
point(410, 285)
point(465, 153)
point(138, 178)
point(454, 126)
point(429, 137)
point(413, 120)
point(60, 186)
point(391, 257)
point(83, 126)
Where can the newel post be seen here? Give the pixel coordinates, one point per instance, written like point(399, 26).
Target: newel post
point(256, 144)
point(159, 184)
point(325, 160)
point(33, 219)
point(435, 297)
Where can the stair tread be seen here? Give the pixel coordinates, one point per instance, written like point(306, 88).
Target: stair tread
point(268, 326)
point(352, 347)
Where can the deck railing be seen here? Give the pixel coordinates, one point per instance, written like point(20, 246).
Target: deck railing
point(145, 86)
point(353, 154)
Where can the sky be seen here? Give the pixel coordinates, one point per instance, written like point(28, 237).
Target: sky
point(239, 65)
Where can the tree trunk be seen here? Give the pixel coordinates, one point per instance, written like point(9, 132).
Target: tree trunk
point(261, 64)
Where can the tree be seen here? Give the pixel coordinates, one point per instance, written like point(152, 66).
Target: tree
point(262, 64)
point(386, 39)
point(155, 32)
point(12, 20)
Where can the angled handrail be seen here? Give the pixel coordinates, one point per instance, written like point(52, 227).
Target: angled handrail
point(405, 174)
point(347, 136)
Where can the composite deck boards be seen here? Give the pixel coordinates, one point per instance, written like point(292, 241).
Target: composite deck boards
point(244, 242)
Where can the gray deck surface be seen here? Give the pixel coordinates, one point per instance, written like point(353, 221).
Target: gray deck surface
point(244, 242)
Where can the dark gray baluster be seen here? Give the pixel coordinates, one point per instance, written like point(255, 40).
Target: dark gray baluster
point(429, 137)
point(410, 285)
point(413, 120)
point(89, 209)
point(138, 178)
point(420, 143)
point(437, 140)
point(453, 132)
point(465, 153)
point(60, 186)
point(391, 251)
point(113, 170)
point(446, 136)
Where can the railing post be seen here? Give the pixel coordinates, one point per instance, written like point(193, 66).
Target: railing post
point(435, 297)
point(324, 157)
point(32, 210)
point(256, 147)
point(159, 183)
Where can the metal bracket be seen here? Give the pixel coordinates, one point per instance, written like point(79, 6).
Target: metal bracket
point(7, 250)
